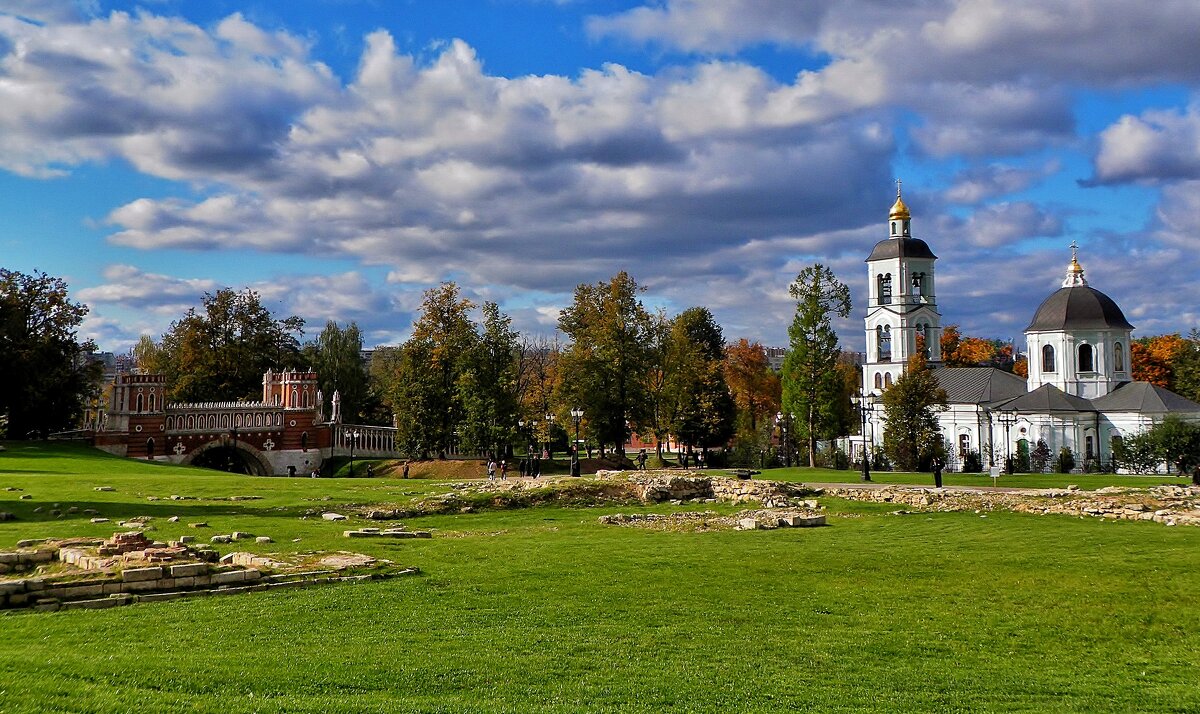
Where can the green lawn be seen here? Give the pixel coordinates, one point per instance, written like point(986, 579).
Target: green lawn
point(544, 610)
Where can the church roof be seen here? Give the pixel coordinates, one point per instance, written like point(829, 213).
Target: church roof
point(1144, 397)
point(977, 385)
point(1079, 307)
point(901, 248)
point(1044, 400)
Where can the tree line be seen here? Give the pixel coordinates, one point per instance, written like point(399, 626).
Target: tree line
point(467, 381)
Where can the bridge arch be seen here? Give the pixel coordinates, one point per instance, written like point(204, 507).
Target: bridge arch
point(249, 457)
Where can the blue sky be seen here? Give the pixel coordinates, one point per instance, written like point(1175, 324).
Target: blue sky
point(342, 156)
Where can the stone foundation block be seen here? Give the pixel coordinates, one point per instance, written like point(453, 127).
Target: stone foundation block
point(139, 574)
point(160, 597)
point(101, 604)
point(78, 591)
point(139, 586)
point(228, 577)
point(187, 570)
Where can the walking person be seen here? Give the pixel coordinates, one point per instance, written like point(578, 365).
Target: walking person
point(491, 470)
point(503, 470)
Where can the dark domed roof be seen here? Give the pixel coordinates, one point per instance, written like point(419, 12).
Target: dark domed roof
point(901, 248)
point(1078, 307)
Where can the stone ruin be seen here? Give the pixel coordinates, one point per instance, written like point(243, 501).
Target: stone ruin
point(130, 568)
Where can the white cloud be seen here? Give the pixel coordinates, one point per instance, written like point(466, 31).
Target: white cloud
point(1158, 145)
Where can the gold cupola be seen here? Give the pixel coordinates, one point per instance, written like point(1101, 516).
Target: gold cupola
point(899, 218)
point(1074, 269)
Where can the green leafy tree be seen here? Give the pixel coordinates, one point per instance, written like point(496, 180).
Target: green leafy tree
point(813, 389)
point(488, 385)
point(1137, 453)
point(604, 368)
point(336, 356)
point(1186, 367)
point(148, 355)
point(46, 378)
point(911, 437)
point(221, 352)
point(701, 410)
point(1177, 443)
point(425, 397)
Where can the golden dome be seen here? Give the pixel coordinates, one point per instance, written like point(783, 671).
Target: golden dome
point(899, 210)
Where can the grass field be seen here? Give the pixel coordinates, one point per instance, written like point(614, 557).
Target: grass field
point(546, 610)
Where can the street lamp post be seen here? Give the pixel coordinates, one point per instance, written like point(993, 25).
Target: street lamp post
point(576, 416)
point(863, 401)
point(1007, 418)
point(353, 438)
point(784, 421)
point(549, 429)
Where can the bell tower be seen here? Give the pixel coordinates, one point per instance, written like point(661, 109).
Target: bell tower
point(901, 302)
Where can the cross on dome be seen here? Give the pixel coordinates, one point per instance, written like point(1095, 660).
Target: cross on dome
point(1074, 270)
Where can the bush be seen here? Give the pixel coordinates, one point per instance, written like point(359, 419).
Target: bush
point(1039, 458)
point(833, 458)
point(972, 463)
point(879, 460)
point(1066, 460)
point(1022, 460)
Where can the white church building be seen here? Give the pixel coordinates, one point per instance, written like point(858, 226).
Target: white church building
point(1079, 394)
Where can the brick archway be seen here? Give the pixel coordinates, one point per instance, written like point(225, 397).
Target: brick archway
point(255, 462)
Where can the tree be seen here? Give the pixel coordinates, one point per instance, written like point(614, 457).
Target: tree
point(1177, 443)
point(221, 353)
point(426, 399)
point(700, 409)
point(46, 378)
point(1039, 458)
point(911, 437)
point(1187, 367)
point(1138, 453)
point(812, 387)
point(148, 355)
point(336, 356)
point(960, 351)
point(488, 385)
point(755, 387)
point(1153, 359)
point(603, 370)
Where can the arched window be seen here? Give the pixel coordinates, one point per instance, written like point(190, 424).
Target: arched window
point(918, 283)
point(224, 421)
point(1048, 358)
point(884, 335)
point(1087, 362)
point(1118, 357)
point(307, 399)
point(878, 380)
point(191, 422)
point(151, 401)
point(887, 380)
point(139, 403)
point(170, 423)
point(1116, 443)
point(885, 289)
point(1088, 448)
point(295, 398)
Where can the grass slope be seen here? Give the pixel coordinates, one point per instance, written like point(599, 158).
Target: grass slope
point(545, 610)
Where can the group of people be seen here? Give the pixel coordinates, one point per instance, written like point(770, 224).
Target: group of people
point(492, 468)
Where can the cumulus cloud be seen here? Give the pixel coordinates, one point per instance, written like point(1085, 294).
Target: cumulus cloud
point(1158, 145)
point(978, 183)
point(708, 180)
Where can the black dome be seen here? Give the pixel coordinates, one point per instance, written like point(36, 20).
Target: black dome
point(901, 248)
point(1078, 307)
